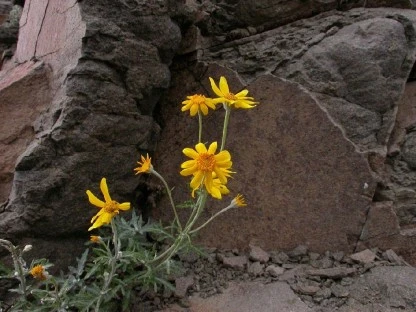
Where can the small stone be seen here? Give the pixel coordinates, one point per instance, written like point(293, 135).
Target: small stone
point(323, 293)
point(365, 256)
point(392, 257)
point(182, 284)
point(235, 262)
point(325, 263)
point(307, 289)
point(252, 30)
point(279, 257)
point(188, 256)
point(258, 254)
point(339, 291)
point(333, 273)
point(338, 256)
point(299, 251)
point(256, 268)
point(314, 255)
point(275, 270)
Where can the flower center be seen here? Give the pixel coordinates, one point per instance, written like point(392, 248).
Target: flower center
point(198, 99)
point(206, 162)
point(231, 96)
point(111, 207)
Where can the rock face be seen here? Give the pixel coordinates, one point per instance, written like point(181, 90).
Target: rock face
point(97, 80)
point(354, 66)
point(326, 160)
point(285, 161)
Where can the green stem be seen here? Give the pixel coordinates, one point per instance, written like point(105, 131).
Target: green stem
point(172, 250)
point(18, 263)
point(199, 209)
point(224, 129)
point(210, 219)
point(200, 126)
point(113, 263)
point(170, 198)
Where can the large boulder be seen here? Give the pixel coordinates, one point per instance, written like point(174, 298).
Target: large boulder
point(102, 67)
point(355, 65)
point(302, 179)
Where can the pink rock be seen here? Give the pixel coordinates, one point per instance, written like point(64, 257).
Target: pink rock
point(29, 84)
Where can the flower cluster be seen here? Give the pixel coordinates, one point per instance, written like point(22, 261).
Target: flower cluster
point(209, 170)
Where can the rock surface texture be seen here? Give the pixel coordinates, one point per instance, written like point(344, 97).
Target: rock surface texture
point(326, 160)
point(326, 156)
point(89, 76)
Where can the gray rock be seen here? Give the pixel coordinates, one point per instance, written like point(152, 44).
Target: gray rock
point(333, 273)
point(258, 254)
point(391, 256)
point(255, 268)
point(279, 257)
point(365, 256)
point(236, 262)
point(395, 285)
point(252, 296)
point(275, 270)
point(339, 291)
point(299, 251)
point(307, 289)
point(182, 284)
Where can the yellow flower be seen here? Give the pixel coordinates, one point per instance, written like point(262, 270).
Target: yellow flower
point(218, 189)
point(204, 165)
point(145, 165)
point(239, 100)
point(197, 102)
point(95, 239)
point(108, 209)
point(39, 273)
point(238, 201)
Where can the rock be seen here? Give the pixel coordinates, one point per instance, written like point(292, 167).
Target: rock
point(258, 254)
point(100, 98)
point(299, 251)
point(279, 257)
point(323, 293)
point(333, 273)
point(365, 256)
point(391, 256)
point(381, 221)
point(307, 289)
point(279, 12)
point(182, 284)
point(339, 291)
point(28, 83)
point(275, 270)
point(255, 268)
point(338, 256)
point(252, 296)
point(295, 104)
point(236, 262)
point(395, 286)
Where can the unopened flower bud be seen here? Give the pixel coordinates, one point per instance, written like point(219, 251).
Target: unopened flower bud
point(27, 248)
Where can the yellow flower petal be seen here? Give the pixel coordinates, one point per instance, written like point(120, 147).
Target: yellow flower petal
point(224, 86)
point(212, 148)
point(104, 190)
point(242, 93)
point(200, 148)
point(94, 200)
point(214, 87)
point(197, 180)
point(191, 153)
point(124, 206)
